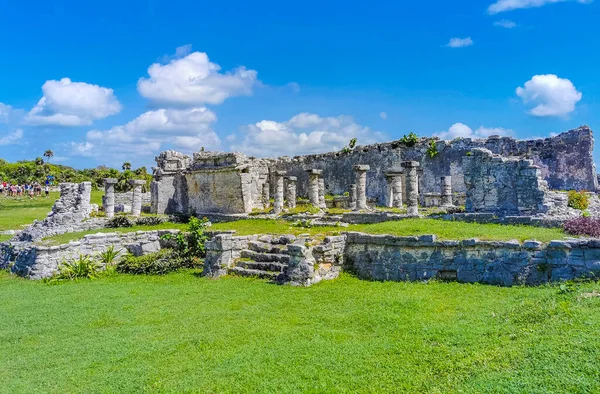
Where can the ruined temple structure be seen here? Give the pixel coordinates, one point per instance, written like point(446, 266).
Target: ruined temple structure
point(499, 175)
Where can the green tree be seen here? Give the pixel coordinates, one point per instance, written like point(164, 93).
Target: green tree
point(48, 153)
point(39, 161)
point(126, 166)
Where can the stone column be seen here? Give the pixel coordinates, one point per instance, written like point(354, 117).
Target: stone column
point(352, 196)
point(322, 203)
point(290, 191)
point(395, 188)
point(412, 194)
point(136, 204)
point(109, 195)
point(361, 186)
point(313, 186)
point(278, 204)
point(389, 196)
point(446, 192)
point(266, 195)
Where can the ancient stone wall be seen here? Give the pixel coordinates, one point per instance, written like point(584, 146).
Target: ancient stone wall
point(37, 261)
point(503, 185)
point(565, 161)
point(385, 257)
point(126, 198)
point(169, 189)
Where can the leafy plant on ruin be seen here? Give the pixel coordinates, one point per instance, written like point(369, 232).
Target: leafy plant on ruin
point(108, 257)
point(190, 245)
point(158, 263)
point(82, 268)
point(578, 200)
point(409, 140)
point(350, 147)
point(119, 221)
point(432, 150)
point(583, 226)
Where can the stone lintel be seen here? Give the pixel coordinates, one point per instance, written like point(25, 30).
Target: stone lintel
point(280, 173)
point(314, 171)
point(110, 181)
point(292, 178)
point(139, 182)
point(410, 164)
point(361, 167)
point(392, 174)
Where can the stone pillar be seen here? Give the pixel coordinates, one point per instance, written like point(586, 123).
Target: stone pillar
point(446, 192)
point(219, 256)
point(389, 195)
point(85, 194)
point(412, 194)
point(395, 188)
point(266, 195)
point(361, 186)
point(278, 204)
point(136, 204)
point(290, 191)
point(322, 203)
point(352, 196)
point(109, 194)
point(313, 186)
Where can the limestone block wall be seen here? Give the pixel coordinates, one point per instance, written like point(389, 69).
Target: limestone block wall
point(385, 257)
point(507, 186)
point(38, 261)
point(565, 161)
point(126, 198)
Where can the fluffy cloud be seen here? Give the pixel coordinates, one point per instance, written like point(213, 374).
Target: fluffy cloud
point(67, 103)
point(303, 134)
point(509, 5)
point(505, 23)
point(194, 80)
point(188, 130)
point(460, 42)
point(550, 95)
point(464, 131)
point(11, 138)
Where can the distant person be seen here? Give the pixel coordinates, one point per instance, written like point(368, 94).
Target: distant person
point(47, 190)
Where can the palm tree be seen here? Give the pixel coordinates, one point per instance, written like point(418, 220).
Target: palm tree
point(49, 154)
point(126, 166)
point(39, 161)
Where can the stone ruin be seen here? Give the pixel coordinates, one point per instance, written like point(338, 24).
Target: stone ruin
point(497, 175)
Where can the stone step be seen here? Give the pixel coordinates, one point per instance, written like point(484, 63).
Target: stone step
point(253, 273)
point(262, 266)
point(261, 247)
point(265, 257)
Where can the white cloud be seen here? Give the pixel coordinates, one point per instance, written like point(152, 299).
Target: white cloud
point(67, 103)
point(550, 95)
point(11, 138)
point(460, 42)
point(464, 131)
point(194, 80)
point(505, 23)
point(383, 115)
point(303, 134)
point(509, 5)
point(5, 111)
point(188, 130)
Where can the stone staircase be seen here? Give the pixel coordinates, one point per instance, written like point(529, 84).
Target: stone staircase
point(265, 258)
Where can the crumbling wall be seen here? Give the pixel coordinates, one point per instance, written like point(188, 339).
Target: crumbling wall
point(169, 189)
point(565, 161)
point(506, 186)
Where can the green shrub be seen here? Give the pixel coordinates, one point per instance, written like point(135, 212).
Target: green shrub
point(578, 200)
point(158, 263)
point(150, 220)
point(82, 268)
point(120, 221)
point(107, 258)
point(350, 147)
point(409, 140)
point(432, 150)
point(190, 245)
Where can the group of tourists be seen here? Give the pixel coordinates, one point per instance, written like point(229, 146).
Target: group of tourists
point(31, 190)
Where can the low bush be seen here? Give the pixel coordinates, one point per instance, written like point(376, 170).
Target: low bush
point(432, 150)
point(158, 263)
point(82, 268)
point(150, 220)
point(120, 221)
point(190, 245)
point(409, 140)
point(578, 200)
point(583, 226)
point(107, 258)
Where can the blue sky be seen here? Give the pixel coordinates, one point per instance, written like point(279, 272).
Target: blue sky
point(101, 83)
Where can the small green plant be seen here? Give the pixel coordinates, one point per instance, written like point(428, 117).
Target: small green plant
point(158, 263)
point(469, 153)
point(306, 223)
point(586, 214)
point(150, 220)
point(107, 258)
point(578, 200)
point(120, 221)
point(410, 140)
point(82, 268)
point(190, 245)
point(346, 194)
point(350, 147)
point(432, 150)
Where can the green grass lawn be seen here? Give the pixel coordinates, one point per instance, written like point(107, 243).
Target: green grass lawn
point(443, 229)
point(182, 333)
